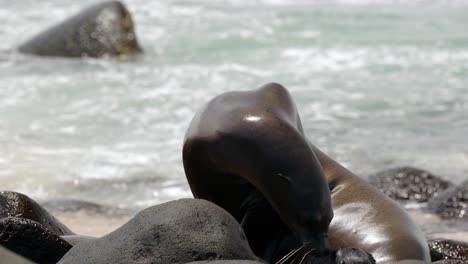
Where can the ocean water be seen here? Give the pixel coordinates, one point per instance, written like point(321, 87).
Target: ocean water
point(378, 84)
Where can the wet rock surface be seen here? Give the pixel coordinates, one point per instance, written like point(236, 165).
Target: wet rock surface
point(409, 184)
point(449, 261)
point(452, 204)
point(32, 240)
point(13, 204)
point(175, 232)
point(105, 29)
point(353, 256)
point(444, 249)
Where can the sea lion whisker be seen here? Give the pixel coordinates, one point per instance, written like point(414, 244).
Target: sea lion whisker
point(302, 255)
point(288, 256)
point(306, 255)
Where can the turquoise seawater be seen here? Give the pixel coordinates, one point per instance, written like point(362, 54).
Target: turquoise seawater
point(378, 84)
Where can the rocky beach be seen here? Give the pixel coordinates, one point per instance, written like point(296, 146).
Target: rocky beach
point(96, 97)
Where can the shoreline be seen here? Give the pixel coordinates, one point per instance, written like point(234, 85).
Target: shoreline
point(84, 222)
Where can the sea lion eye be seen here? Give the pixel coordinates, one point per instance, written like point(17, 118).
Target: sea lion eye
point(284, 178)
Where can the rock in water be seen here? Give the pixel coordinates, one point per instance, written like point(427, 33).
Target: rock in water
point(453, 203)
point(411, 262)
point(105, 29)
point(407, 183)
point(175, 232)
point(13, 204)
point(442, 249)
point(449, 261)
point(32, 240)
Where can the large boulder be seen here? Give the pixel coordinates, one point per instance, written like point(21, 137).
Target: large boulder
point(442, 249)
point(410, 184)
point(8, 257)
point(105, 29)
point(32, 240)
point(13, 204)
point(452, 204)
point(175, 232)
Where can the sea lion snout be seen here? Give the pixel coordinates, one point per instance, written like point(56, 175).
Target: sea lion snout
point(319, 242)
point(313, 222)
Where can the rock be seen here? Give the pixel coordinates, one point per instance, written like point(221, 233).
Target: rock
point(175, 232)
point(105, 29)
point(353, 256)
point(407, 183)
point(228, 262)
point(9, 257)
point(32, 240)
point(75, 239)
point(449, 261)
point(13, 204)
point(411, 262)
point(72, 205)
point(453, 203)
point(442, 249)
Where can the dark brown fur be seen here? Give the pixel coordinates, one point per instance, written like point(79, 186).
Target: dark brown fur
point(247, 152)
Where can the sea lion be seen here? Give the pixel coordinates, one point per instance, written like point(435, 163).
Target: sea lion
point(368, 219)
point(247, 152)
point(105, 29)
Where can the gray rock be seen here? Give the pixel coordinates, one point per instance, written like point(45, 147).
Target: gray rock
point(452, 204)
point(8, 257)
point(407, 183)
point(74, 205)
point(228, 262)
point(32, 240)
point(13, 204)
point(450, 261)
point(105, 29)
point(353, 256)
point(411, 262)
point(75, 239)
point(175, 232)
point(448, 249)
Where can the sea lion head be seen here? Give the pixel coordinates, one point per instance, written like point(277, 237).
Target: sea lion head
point(309, 207)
